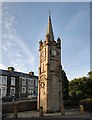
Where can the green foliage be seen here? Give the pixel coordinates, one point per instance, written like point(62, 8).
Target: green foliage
point(87, 104)
point(65, 85)
point(81, 87)
point(90, 74)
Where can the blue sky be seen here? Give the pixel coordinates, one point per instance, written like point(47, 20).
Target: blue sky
point(25, 24)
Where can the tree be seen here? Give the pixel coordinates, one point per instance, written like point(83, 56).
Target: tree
point(65, 86)
point(81, 87)
point(90, 74)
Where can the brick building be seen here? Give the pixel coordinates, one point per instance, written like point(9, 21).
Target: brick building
point(17, 83)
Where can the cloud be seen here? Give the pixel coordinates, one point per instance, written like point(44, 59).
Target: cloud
point(75, 19)
point(2, 66)
point(13, 45)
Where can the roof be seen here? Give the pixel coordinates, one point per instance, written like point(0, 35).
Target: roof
point(15, 74)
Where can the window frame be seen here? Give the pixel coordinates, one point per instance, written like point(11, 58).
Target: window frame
point(13, 79)
point(22, 90)
point(12, 88)
point(23, 83)
point(4, 81)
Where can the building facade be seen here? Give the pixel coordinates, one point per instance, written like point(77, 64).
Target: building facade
point(50, 86)
point(17, 83)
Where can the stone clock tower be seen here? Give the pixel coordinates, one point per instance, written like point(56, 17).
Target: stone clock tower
point(49, 85)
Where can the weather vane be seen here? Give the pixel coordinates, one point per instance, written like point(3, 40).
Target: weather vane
point(50, 12)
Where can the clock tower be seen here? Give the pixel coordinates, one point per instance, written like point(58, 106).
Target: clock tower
point(49, 85)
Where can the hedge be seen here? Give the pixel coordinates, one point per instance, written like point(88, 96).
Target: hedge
point(71, 103)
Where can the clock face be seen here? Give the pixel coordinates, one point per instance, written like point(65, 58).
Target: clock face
point(54, 52)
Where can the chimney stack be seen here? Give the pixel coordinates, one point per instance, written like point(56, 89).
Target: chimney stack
point(11, 69)
point(31, 73)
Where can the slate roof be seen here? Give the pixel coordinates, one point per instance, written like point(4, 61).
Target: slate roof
point(15, 74)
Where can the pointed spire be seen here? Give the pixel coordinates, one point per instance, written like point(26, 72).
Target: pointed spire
point(50, 29)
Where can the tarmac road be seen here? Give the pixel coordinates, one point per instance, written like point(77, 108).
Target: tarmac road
point(70, 114)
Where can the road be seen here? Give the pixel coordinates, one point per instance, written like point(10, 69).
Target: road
point(70, 114)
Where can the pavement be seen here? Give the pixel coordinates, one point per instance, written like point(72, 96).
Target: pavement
point(70, 114)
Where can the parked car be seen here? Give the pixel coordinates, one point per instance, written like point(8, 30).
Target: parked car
point(32, 97)
point(8, 98)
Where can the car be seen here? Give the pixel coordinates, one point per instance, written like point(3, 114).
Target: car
point(13, 97)
point(8, 98)
point(32, 97)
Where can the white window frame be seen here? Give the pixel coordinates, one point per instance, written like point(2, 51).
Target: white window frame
point(32, 82)
point(4, 81)
point(4, 92)
point(12, 88)
point(32, 90)
point(23, 81)
point(29, 81)
point(24, 91)
point(13, 81)
point(36, 82)
point(0, 80)
point(29, 89)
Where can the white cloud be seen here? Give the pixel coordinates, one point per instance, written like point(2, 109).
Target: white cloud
point(75, 19)
point(13, 45)
point(2, 66)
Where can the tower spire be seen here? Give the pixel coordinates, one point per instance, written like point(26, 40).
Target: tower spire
point(50, 29)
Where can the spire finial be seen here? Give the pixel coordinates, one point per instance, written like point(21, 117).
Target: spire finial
point(50, 29)
point(50, 12)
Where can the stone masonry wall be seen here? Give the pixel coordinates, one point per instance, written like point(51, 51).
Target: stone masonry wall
point(21, 106)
